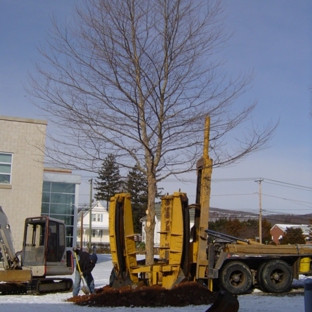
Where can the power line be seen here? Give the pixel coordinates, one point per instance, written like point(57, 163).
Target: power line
point(296, 201)
point(287, 184)
point(224, 195)
point(234, 179)
point(269, 181)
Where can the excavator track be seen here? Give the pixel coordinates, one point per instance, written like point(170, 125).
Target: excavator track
point(50, 285)
point(37, 286)
point(12, 289)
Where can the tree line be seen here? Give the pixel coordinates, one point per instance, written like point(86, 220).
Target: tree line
point(250, 230)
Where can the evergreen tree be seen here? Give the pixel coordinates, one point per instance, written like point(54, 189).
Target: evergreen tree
point(266, 227)
point(108, 181)
point(293, 236)
point(233, 227)
point(249, 229)
point(219, 225)
point(136, 185)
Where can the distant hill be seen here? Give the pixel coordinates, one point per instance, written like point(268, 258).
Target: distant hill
point(217, 213)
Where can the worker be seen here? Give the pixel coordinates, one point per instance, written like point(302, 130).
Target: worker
point(87, 263)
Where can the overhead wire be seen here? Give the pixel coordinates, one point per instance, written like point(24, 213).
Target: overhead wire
point(286, 184)
point(299, 202)
point(264, 180)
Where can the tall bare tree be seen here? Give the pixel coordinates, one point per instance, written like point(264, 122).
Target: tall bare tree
point(137, 79)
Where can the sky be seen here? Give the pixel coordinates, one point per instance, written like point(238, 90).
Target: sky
point(272, 38)
point(256, 302)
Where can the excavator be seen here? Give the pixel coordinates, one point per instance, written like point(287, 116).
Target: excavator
point(223, 263)
point(43, 258)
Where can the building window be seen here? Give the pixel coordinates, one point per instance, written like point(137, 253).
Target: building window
point(97, 217)
point(58, 201)
point(5, 168)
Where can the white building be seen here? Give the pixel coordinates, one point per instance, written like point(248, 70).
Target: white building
point(99, 225)
point(156, 231)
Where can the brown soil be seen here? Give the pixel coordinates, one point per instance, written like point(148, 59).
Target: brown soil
point(184, 294)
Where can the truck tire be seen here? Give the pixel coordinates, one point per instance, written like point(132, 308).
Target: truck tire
point(259, 276)
point(236, 278)
point(276, 276)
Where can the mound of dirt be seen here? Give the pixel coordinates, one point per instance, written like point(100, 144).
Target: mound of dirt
point(184, 294)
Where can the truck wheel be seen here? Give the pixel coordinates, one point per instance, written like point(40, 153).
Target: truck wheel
point(276, 276)
point(259, 276)
point(236, 278)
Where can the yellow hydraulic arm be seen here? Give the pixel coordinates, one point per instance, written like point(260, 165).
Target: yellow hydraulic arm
point(204, 171)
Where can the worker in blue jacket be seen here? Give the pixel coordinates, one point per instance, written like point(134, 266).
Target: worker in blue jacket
point(87, 263)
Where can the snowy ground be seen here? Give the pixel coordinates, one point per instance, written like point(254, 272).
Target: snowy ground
point(256, 302)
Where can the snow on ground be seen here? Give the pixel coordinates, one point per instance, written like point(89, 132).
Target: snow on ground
point(256, 302)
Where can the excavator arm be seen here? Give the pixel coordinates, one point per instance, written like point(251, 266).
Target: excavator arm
point(6, 243)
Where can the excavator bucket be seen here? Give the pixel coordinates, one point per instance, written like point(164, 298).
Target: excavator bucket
point(225, 302)
point(15, 276)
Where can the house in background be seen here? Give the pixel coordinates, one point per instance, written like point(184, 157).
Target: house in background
point(99, 225)
point(156, 231)
point(279, 230)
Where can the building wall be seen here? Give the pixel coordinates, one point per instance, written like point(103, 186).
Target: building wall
point(276, 233)
point(21, 198)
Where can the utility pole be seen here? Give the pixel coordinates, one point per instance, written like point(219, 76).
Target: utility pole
point(260, 210)
point(81, 229)
point(90, 217)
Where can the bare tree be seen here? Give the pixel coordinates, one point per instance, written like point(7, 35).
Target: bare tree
point(137, 79)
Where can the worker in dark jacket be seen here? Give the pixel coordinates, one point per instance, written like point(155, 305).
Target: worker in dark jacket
point(87, 263)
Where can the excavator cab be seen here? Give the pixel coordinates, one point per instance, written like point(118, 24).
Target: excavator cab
point(37, 268)
point(44, 250)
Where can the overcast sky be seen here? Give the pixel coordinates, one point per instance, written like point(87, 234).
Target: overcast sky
point(271, 37)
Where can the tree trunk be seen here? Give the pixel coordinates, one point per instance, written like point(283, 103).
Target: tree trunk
point(150, 222)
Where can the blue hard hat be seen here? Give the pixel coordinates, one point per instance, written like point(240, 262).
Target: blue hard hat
point(93, 258)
